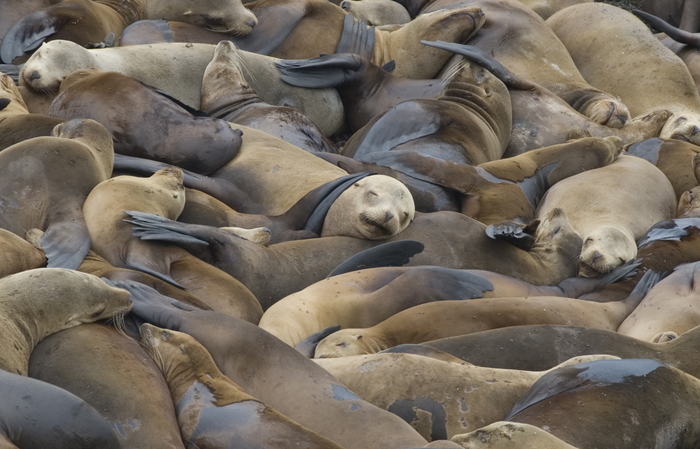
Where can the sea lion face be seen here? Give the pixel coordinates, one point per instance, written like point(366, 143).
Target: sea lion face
point(222, 16)
point(11, 101)
point(684, 127)
point(169, 348)
point(606, 248)
point(51, 63)
point(377, 12)
point(689, 204)
point(345, 343)
point(375, 208)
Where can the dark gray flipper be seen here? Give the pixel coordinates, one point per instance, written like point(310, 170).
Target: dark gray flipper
point(625, 270)
point(4, 102)
point(316, 219)
point(357, 38)
point(485, 60)
point(308, 345)
point(12, 71)
point(153, 227)
point(514, 233)
point(392, 254)
point(317, 73)
point(163, 277)
point(390, 66)
point(66, 244)
point(678, 35)
point(646, 149)
point(674, 229)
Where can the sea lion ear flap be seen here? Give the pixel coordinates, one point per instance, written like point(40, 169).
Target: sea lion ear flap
point(390, 66)
point(308, 345)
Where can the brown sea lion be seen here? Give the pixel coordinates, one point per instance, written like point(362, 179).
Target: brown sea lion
point(226, 95)
point(282, 378)
point(115, 376)
point(45, 181)
point(212, 410)
point(417, 324)
point(604, 407)
point(163, 194)
point(86, 22)
point(37, 303)
point(451, 240)
point(616, 38)
point(377, 12)
point(144, 123)
point(610, 225)
point(439, 399)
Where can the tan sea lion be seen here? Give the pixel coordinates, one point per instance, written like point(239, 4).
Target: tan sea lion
point(620, 40)
point(18, 255)
point(610, 225)
point(65, 298)
point(377, 12)
point(509, 435)
point(177, 69)
point(439, 399)
point(280, 377)
point(208, 403)
point(163, 194)
point(417, 324)
point(45, 181)
point(598, 404)
point(114, 375)
point(86, 22)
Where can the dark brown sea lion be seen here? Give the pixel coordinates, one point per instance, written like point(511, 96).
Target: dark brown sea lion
point(451, 240)
point(213, 411)
point(615, 37)
point(144, 123)
point(57, 418)
point(226, 95)
point(86, 22)
point(282, 377)
point(45, 181)
point(417, 324)
point(598, 404)
point(114, 375)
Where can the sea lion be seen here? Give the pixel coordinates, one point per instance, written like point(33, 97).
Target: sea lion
point(509, 435)
point(451, 240)
point(86, 22)
point(366, 297)
point(669, 306)
point(604, 407)
point(16, 123)
point(377, 12)
point(163, 194)
point(65, 298)
point(632, 53)
point(57, 418)
point(439, 399)
point(282, 378)
point(689, 204)
point(115, 376)
point(45, 181)
point(226, 95)
point(212, 409)
point(417, 324)
point(610, 225)
point(144, 123)
point(18, 255)
point(177, 69)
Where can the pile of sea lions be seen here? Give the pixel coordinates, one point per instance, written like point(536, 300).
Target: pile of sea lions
point(354, 224)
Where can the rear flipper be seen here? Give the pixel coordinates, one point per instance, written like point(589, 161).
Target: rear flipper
point(392, 254)
point(66, 243)
point(357, 38)
point(317, 73)
point(678, 35)
point(308, 345)
point(514, 233)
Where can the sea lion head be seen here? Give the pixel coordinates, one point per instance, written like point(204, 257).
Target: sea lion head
point(222, 16)
point(607, 111)
point(347, 342)
point(684, 127)
point(377, 12)
point(689, 204)
point(375, 208)
point(604, 249)
point(51, 63)
point(94, 136)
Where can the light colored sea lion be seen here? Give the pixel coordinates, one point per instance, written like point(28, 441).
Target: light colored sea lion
point(598, 404)
point(162, 194)
point(177, 69)
point(280, 377)
point(212, 410)
point(16, 254)
point(145, 123)
point(86, 22)
point(37, 303)
point(418, 324)
point(57, 418)
point(451, 240)
point(619, 49)
point(610, 225)
point(670, 306)
point(227, 95)
point(509, 435)
point(112, 373)
point(45, 181)
point(439, 399)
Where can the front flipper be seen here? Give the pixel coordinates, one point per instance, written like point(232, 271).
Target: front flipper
point(317, 73)
point(392, 254)
point(273, 28)
point(318, 216)
point(357, 38)
point(308, 345)
point(153, 227)
point(678, 35)
point(66, 243)
point(514, 233)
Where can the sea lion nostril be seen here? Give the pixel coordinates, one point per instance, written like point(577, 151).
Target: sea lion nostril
point(251, 22)
point(34, 76)
point(388, 216)
point(345, 5)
